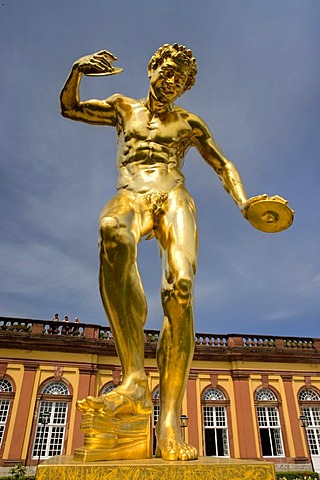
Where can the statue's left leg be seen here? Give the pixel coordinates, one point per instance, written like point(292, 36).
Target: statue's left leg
point(117, 425)
point(177, 235)
point(123, 220)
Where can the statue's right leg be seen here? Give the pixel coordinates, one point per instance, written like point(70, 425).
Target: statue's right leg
point(177, 234)
point(122, 294)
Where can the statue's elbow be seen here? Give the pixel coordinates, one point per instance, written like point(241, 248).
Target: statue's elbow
point(65, 109)
point(63, 112)
point(66, 112)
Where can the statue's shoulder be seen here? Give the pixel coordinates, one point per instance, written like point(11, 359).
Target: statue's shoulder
point(118, 99)
point(190, 117)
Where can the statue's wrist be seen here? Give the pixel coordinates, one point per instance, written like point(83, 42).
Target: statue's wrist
point(76, 68)
point(244, 208)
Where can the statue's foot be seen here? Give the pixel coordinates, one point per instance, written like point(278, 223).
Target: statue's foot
point(116, 403)
point(104, 405)
point(170, 445)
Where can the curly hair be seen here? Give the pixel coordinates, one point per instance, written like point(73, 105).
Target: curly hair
point(180, 54)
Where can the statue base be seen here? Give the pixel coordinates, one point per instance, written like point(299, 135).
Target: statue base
point(205, 468)
point(111, 438)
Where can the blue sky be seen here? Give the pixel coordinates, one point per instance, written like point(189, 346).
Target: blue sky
point(257, 88)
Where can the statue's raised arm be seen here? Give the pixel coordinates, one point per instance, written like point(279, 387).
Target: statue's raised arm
point(90, 111)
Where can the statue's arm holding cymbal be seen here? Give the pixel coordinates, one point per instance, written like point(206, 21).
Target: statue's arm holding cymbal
point(268, 214)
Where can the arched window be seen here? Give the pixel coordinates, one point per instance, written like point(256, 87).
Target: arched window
point(309, 401)
point(51, 421)
point(56, 388)
point(308, 395)
point(265, 395)
point(6, 396)
point(215, 423)
point(108, 387)
point(155, 416)
point(269, 423)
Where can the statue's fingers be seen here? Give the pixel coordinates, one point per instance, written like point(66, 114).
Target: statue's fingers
point(106, 54)
point(102, 65)
point(105, 62)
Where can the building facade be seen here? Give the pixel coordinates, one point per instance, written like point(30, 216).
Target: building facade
point(244, 396)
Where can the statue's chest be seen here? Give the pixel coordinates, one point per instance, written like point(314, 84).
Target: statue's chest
point(168, 128)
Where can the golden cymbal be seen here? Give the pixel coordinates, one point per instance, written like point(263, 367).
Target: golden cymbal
point(114, 71)
point(269, 214)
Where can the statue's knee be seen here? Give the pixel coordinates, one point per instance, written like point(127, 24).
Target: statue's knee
point(181, 290)
point(114, 235)
point(183, 287)
point(109, 228)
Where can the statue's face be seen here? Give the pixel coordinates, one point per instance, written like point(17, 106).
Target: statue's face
point(167, 81)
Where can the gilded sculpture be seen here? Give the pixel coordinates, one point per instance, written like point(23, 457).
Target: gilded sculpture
point(153, 136)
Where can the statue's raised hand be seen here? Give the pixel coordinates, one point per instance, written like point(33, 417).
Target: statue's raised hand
point(98, 64)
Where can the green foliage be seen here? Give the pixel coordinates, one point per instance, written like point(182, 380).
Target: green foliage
point(18, 471)
point(297, 476)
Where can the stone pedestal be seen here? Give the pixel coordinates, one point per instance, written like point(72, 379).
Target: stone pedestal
point(205, 468)
point(112, 438)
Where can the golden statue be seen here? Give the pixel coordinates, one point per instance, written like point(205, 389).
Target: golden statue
point(154, 135)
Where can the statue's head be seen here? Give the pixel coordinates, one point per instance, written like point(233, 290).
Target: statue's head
point(178, 54)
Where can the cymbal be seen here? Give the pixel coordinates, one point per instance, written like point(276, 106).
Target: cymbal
point(269, 214)
point(114, 71)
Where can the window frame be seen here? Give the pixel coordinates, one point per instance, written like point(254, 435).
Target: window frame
point(107, 388)
point(8, 398)
point(47, 430)
point(212, 405)
point(155, 416)
point(307, 408)
point(272, 430)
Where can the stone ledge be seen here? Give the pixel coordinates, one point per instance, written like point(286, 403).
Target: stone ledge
point(205, 468)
